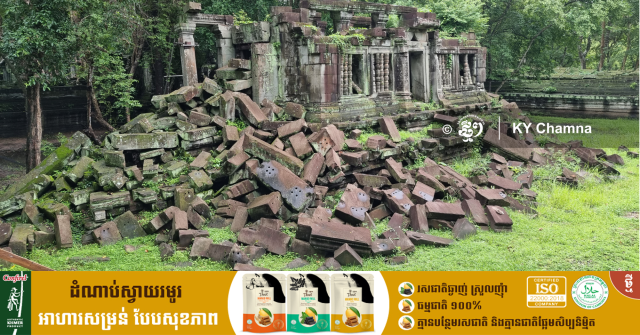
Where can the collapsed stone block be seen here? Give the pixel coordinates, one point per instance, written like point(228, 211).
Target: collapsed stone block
point(272, 240)
point(107, 234)
point(62, 227)
point(345, 255)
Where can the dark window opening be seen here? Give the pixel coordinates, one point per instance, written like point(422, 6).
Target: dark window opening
point(357, 74)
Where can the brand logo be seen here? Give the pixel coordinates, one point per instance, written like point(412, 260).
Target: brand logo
point(470, 127)
point(308, 293)
point(263, 293)
point(15, 278)
point(15, 289)
point(590, 292)
point(351, 293)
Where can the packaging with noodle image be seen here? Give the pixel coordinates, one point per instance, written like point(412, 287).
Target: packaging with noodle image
point(352, 302)
point(308, 303)
point(263, 302)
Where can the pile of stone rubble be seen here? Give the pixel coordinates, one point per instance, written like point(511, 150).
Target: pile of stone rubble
point(270, 178)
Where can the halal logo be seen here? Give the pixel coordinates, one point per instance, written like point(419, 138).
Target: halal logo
point(469, 127)
point(590, 292)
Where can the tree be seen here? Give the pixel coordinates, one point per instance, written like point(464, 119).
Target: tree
point(35, 42)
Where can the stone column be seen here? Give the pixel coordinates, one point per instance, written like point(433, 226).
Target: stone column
point(341, 20)
point(385, 74)
point(226, 51)
point(379, 20)
point(188, 54)
point(402, 73)
point(374, 88)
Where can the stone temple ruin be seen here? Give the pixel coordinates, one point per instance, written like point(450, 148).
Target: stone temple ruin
point(298, 174)
point(360, 71)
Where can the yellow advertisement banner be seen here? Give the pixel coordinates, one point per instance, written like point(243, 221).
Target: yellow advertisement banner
point(131, 302)
point(513, 302)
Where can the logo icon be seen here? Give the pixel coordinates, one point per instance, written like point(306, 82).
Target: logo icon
point(546, 292)
point(470, 127)
point(590, 292)
point(14, 300)
point(15, 288)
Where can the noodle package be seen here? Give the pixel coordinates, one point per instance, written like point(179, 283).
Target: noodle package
point(351, 303)
point(308, 303)
point(264, 303)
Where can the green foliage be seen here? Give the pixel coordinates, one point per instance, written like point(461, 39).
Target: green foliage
point(393, 22)
point(343, 42)
point(115, 87)
point(238, 123)
point(634, 85)
point(550, 89)
point(47, 148)
point(215, 163)
point(457, 16)
point(241, 17)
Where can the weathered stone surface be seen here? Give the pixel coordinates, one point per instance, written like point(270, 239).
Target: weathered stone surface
point(353, 144)
point(274, 224)
point(54, 162)
point(300, 145)
point(5, 232)
point(295, 110)
point(294, 190)
point(397, 235)
point(248, 267)
point(312, 169)
point(198, 134)
point(194, 218)
point(240, 219)
point(41, 238)
point(321, 141)
point(615, 159)
point(302, 248)
point(145, 195)
point(425, 239)
point(51, 209)
point(388, 127)
point(332, 161)
point(18, 240)
point(166, 251)
point(107, 234)
point(376, 142)
point(383, 246)
point(504, 183)
point(418, 216)
point(329, 236)
point(508, 145)
point(128, 226)
point(371, 180)
point(78, 170)
point(274, 241)
point(114, 158)
point(200, 248)
point(297, 263)
point(444, 211)
point(499, 220)
point(183, 198)
point(353, 205)
point(31, 215)
point(422, 193)
point(240, 189)
point(250, 109)
point(355, 159)
point(397, 201)
point(62, 227)
point(345, 255)
point(199, 119)
point(492, 196)
point(463, 229)
point(201, 160)
point(175, 168)
point(267, 152)
point(180, 222)
point(166, 140)
point(237, 256)
point(100, 201)
point(200, 181)
point(291, 128)
point(219, 252)
point(182, 95)
point(473, 209)
point(266, 205)
point(395, 169)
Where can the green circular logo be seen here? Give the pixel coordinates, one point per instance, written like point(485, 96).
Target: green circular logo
point(590, 292)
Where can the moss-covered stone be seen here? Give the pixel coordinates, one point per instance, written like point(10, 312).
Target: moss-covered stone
point(167, 140)
point(77, 172)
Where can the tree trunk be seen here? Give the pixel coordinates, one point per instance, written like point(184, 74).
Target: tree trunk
point(604, 29)
point(524, 55)
point(626, 50)
point(135, 59)
point(583, 55)
point(34, 124)
point(89, 94)
point(98, 114)
point(158, 74)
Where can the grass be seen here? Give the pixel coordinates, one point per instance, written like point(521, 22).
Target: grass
point(588, 228)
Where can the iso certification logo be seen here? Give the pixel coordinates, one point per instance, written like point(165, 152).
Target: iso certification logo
point(590, 292)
